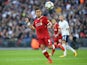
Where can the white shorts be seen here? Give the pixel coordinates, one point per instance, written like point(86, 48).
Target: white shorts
point(65, 37)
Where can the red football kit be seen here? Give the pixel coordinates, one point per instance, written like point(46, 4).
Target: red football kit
point(57, 35)
point(40, 25)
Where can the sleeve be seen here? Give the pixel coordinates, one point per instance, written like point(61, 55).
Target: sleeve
point(56, 27)
point(45, 20)
point(67, 25)
point(60, 36)
point(55, 39)
point(34, 24)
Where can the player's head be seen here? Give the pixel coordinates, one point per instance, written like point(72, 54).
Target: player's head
point(61, 17)
point(38, 12)
point(53, 21)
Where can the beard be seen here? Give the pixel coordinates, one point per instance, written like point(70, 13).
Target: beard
point(38, 16)
point(61, 20)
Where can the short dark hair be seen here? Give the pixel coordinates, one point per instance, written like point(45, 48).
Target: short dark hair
point(37, 8)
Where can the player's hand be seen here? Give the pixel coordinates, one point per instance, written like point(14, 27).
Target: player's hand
point(49, 24)
point(26, 19)
point(29, 24)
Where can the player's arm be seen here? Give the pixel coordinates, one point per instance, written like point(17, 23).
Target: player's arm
point(31, 27)
point(67, 26)
point(29, 24)
point(59, 30)
point(54, 38)
point(49, 24)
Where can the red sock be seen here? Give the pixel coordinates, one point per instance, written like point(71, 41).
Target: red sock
point(55, 46)
point(60, 46)
point(47, 56)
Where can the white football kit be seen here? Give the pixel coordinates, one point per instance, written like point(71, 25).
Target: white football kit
point(64, 26)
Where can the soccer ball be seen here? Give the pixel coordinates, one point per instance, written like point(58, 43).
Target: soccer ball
point(49, 5)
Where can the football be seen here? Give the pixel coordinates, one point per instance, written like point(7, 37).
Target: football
point(49, 5)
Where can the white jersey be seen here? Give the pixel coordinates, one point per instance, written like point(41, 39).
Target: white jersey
point(64, 26)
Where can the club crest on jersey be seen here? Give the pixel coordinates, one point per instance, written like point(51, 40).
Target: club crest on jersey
point(38, 24)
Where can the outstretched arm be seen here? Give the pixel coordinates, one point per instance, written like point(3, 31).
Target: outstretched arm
point(49, 24)
point(29, 24)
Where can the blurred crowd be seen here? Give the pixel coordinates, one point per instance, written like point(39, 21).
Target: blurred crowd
point(14, 12)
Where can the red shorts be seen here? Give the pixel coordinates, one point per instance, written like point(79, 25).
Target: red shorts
point(45, 41)
point(56, 39)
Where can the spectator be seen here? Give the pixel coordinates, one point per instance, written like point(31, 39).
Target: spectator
point(13, 13)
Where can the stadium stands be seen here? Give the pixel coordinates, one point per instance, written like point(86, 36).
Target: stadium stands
point(13, 13)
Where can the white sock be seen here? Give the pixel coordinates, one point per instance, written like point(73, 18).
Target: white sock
point(53, 47)
point(44, 51)
point(70, 48)
point(64, 50)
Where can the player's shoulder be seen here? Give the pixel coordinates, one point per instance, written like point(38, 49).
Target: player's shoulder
point(35, 20)
point(56, 24)
point(44, 17)
point(59, 22)
point(65, 21)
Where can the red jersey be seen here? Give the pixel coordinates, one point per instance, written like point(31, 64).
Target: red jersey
point(57, 35)
point(40, 25)
point(56, 27)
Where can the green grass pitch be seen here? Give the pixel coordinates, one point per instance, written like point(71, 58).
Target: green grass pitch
point(35, 57)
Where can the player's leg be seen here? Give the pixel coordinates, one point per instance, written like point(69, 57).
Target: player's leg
point(44, 51)
point(70, 48)
point(59, 45)
point(64, 46)
point(50, 45)
point(53, 49)
point(58, 42)
point(64, 39)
